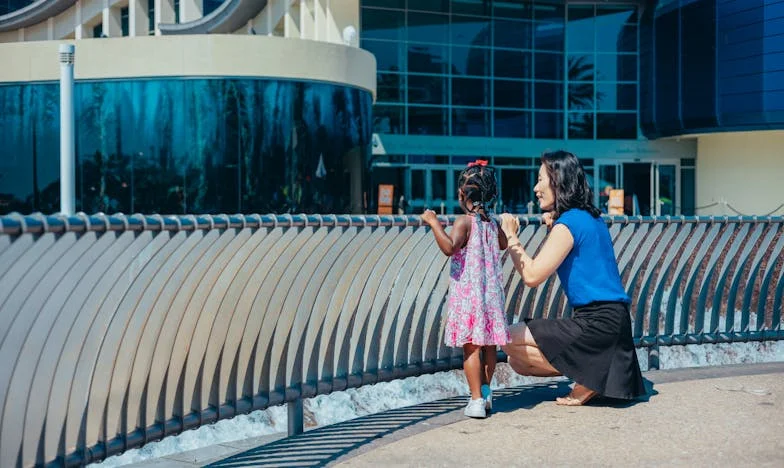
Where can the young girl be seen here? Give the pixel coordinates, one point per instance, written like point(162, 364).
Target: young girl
point(475, 315)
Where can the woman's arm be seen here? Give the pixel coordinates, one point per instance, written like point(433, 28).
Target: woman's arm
point(535, 271)
point(448, 244)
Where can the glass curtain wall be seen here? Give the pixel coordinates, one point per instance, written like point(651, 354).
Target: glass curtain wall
point(187, 146)
point(552, 70)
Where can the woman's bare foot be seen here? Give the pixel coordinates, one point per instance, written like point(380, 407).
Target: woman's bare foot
point(577, 397)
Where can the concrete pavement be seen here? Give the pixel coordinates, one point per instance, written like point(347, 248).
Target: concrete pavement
point(712, 417)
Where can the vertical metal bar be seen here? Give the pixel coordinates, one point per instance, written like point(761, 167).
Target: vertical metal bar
point(296, 417)
point(67, 141)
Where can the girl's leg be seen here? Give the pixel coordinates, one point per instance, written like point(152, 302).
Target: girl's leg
point(472, 366)
point(490, 355)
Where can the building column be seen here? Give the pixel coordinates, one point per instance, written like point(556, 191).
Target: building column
point(138, 20)
point(164, 14)
point(191, 10)
point(112, 25)
point(342, 14)
point(321, 32)
point(292, 26)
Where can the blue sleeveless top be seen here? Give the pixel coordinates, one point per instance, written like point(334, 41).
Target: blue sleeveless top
point(590, 272)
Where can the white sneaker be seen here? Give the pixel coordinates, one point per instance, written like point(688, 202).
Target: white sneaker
point(475, 408)
point(487, 395)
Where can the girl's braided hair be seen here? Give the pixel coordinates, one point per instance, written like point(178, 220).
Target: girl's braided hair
point(479, 186)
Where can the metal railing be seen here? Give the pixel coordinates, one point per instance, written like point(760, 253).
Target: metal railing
point(118, 330)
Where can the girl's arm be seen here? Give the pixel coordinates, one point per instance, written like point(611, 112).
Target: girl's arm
point(449, 244)
point(535, 271)
point(502, 240)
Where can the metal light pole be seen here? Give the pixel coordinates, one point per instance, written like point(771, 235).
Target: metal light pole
point(67, 141)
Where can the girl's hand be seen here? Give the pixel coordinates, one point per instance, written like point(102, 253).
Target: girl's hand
point(510, 225)
point(429, 217)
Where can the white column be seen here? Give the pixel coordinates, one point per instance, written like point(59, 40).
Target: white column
point(50, 28)
point(164, 13)
point(21, 35)
point(191, 10)
point(307, 25)
point(78, 26)
point(292, 26)
point(112, 26)
point(67, 141)
point(321, 32)
point(138, 20)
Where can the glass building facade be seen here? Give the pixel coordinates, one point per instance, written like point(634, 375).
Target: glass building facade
point(557, 71)
point(504, 69)
point(178, 146)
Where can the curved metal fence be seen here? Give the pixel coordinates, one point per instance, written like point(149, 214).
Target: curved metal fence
point(118, 330)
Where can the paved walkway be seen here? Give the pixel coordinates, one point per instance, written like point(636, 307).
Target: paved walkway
point(712, 417)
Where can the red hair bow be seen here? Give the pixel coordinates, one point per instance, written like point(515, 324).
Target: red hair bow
point(478, 162)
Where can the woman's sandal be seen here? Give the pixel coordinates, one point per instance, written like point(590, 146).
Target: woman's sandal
point(577, 397)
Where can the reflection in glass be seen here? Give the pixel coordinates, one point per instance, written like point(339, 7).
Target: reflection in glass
point(427, 27)
point(469, 31)
point(427, 120)
point(189, 146)
point(428, 58)
point(580, 29)
point(549, 66)
point(470, 61)
point(438, 187)
point(470, 122)
point(471, 92)
point(513, 34)
point(390, 56)
point(610, 24)
point(417, 184)
point(390, 87)
point(515, 94)
point(549, 95)
point(581, 96)
point(549, 125)
point(611, 126)
point(426, 89)
point(388, 119)
point(581, 125)
point(513, 64)
point(513, 124)
point(383, 24)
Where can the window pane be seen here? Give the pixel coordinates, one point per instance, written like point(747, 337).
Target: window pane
point(428, 27)
point(385, 3)
point(513, 94)
point(581, 96)
point(513, 124)
point(471, 7)
point(687, 192)
point(549, 125)
point(616, 96)
point(470, 61)
point(581, 126)
point(382, 24)
point(417, 184)
point(549, 33)
point(426, 89)
point(610, 26)
point(513, 64)
point(389, 55)
point(388, 119)
point(581, 68)
point(428, 58)
point(390, 87)
point(427, 120)
point(512, 34)
point(512, 9)
point(616, 126)
point(580, 29)
point(470, 122)
point(430, 5)
point(611, 67)
point(470, 92)
point(548, 95)
point(549, 66)
point(470, 31)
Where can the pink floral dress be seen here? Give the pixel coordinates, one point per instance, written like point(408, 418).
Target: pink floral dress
point(475, 311)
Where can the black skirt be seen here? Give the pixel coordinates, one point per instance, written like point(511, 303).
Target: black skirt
point(594, 348)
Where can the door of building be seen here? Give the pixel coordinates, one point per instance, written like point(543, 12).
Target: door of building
point(651, 188)
point(431, 187)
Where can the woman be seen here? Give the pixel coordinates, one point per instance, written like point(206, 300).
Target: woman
point(594, 348)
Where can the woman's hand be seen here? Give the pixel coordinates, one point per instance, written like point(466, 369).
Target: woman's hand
point(547, 219)
point(429, 217)
point(510, 225)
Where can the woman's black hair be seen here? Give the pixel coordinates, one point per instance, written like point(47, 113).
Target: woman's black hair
point(479, 187)
point(569, 183)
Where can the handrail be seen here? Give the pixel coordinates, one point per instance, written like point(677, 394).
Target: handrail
point(117, 330)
